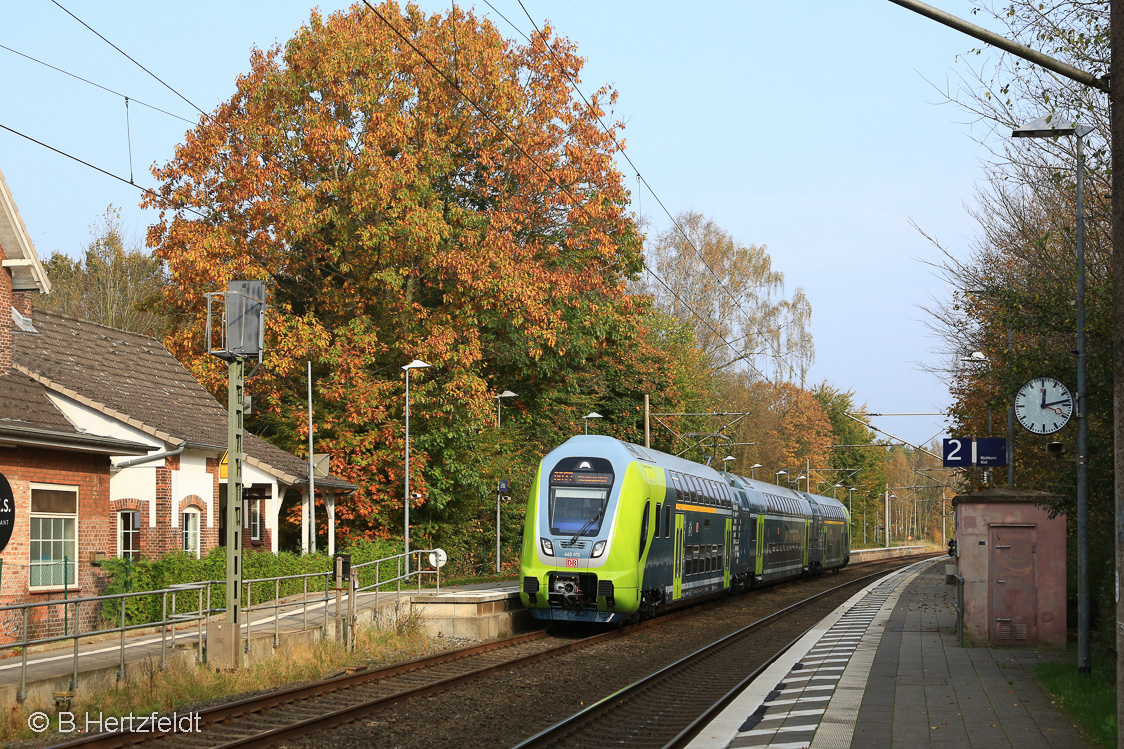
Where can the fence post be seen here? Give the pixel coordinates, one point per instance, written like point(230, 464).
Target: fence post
point(304, 604)
point(173, 620)
point(199, 654)
point(164, 629)
point(324, 631)
point(77, 631)
point(352, 617)
point(249, 612)
point(276, 612)
point(338, 565)
point(65, 587)
point(23, 666)
point(121, 649)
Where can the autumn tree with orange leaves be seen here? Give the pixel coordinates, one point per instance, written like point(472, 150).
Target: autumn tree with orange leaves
point(415, 186)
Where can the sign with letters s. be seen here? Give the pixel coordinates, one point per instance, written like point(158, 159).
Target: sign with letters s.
point(7, 512)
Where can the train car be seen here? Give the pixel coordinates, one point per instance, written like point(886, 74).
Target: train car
point(615, 531)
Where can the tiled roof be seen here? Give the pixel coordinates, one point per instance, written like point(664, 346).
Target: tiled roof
point(25, 403)
point(133, 378)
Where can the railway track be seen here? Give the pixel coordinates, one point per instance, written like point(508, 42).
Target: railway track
point(280, 716)
point(667, 708)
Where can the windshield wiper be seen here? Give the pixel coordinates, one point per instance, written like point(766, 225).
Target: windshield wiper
point(591, 521)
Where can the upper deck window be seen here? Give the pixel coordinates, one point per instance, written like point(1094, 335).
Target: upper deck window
point(579, 495)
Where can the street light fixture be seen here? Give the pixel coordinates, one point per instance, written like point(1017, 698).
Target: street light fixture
point(753, 470)
point(780, 473)
point(504, 394)
point(833, 488)
point(1049, 127)
point(801, 476)
point(726, 460)
point(591, 415)
point(415, 364)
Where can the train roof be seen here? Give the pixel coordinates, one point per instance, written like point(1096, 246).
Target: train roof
point(613, 448)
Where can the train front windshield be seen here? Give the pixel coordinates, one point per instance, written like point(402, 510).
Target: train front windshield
point(579, 495)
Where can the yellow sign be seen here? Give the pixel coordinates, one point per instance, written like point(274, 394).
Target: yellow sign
point(223, 465)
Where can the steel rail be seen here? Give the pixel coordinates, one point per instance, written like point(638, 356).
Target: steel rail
point(250, 705)
point(610, 703)
point(225, 713)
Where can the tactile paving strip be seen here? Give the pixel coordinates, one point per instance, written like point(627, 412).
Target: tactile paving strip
point(822, 689)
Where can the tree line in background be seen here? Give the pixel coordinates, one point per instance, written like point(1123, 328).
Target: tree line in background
point(417, 186)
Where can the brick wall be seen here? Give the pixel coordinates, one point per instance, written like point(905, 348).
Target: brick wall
point(22, 300)
point(96, 531)
point(5, 317)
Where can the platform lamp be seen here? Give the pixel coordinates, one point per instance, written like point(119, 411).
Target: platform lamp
point(591, 415)
point(1048, 126)
point(801, 476)
point(780, 473)
point(726, 460)
point(753, 470)
point(415, 364)
point(833, 488)
point(504, 394)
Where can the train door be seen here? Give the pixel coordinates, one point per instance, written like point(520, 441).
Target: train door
point(677, 565)
point(726, 554)
point(807, 543)
point(760, 566)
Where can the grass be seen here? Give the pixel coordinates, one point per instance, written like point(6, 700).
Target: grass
point(1090, 700)
point(151, 689)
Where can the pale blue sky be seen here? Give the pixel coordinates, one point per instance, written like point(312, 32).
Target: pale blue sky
point(811, 127)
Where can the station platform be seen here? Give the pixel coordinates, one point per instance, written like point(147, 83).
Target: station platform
point(886, 670)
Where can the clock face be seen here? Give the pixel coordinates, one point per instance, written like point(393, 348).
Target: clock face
point(1043, 405)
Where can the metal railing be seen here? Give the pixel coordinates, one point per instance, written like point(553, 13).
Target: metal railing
point(85, 618)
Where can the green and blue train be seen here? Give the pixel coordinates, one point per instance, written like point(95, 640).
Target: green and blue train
point(616, 531)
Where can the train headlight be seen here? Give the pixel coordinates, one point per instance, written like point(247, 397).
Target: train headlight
point(547, 546)
point(598, 549)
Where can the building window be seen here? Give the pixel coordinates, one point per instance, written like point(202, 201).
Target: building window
point(191, 531)
point(128, 534)
point(53, 536)
point(255, 519)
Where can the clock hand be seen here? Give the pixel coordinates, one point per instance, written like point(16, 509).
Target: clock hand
point(1055, 403)
point(1043, 398)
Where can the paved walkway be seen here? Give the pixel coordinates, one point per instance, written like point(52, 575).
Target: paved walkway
point(885, 670)
point(105, 652)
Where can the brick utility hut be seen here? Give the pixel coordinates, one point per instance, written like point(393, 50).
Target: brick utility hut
point(111, 447)
point(1011, 555)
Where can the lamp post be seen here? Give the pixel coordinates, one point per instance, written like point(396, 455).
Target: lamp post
point(780, 473)
point(801, 476)
point(591, 415)
point(1048, 127)
point(726, 460)
point(753, 470)
point(415, 364)
point(504, 394)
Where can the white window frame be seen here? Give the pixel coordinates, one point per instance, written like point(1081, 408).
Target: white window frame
point(68, 583)
point(186, 546)
point(121, 533)
point(255, 520)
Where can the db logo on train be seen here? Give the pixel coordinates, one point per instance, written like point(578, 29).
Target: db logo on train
point(571, 563)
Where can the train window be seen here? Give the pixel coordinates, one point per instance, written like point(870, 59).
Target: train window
point(667, 520)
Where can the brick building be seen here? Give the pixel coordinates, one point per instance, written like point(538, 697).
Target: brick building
point(110, 447)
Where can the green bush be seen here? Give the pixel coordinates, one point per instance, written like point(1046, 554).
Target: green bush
point(175, 568)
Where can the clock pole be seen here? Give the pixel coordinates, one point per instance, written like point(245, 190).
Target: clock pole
point(1083, 634)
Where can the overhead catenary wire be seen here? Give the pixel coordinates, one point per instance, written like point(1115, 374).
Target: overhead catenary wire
point(142, 67)
point(57, 69)
point(106, 172)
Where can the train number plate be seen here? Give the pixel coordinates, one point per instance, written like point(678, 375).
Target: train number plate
point(571, 563)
